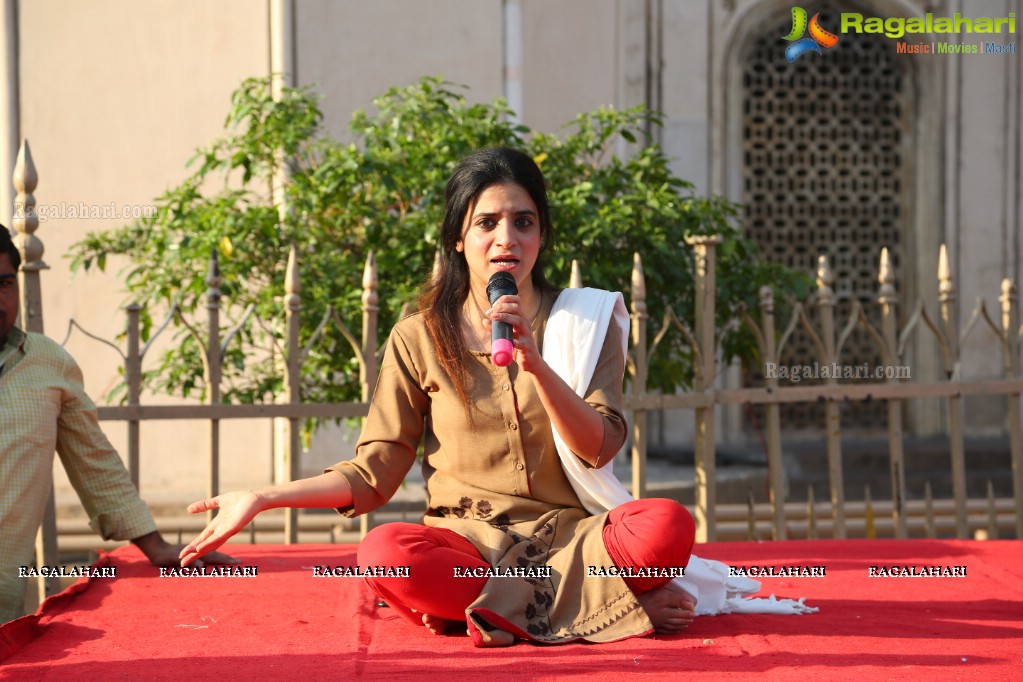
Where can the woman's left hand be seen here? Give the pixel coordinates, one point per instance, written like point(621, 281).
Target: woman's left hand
point(508, 309)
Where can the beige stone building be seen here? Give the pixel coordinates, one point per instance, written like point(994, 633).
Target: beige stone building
point(901, 150)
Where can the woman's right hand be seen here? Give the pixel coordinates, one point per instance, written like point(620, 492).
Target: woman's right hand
point(236, 510)
point(329, 489)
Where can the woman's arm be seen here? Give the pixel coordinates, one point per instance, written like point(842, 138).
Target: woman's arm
point(581, 425)
point(237, 509)
point(576, 421)
point(384, 454)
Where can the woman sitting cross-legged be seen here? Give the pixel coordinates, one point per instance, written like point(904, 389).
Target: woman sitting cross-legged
point(506, 549)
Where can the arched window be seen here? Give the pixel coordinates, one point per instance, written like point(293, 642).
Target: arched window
point(825, 161)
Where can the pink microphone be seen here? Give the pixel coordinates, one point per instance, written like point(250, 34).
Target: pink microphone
point(502, 350)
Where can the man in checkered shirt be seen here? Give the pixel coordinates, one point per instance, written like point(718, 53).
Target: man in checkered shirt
point(44, 408)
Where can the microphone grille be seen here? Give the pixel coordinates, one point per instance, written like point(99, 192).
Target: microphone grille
point(501, 282)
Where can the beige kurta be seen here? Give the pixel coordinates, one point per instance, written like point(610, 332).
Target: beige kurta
point(499, 483)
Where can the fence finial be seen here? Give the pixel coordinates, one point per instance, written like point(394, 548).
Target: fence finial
point(292, 280)
point(26, 220)
point(886, 278)
point(946, 286)
point(825, 278)
point(1008, 296)
point(370, 283)
point(575, 280)
point(638, 285)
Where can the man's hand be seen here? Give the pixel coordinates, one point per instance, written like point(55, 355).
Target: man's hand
point(162, 553)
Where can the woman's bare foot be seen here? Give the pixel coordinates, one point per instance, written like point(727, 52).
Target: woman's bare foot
point(669, 609)
point(498, 638)
point(485, 635)
point(437, 625)
point(494, 638)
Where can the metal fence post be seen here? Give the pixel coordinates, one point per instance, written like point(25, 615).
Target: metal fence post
point(26, 222)
point(293, 363)
point(775, 463)
point(832, 412)
point(213, 380)
point(1010, 329)
point(640, 359)
point(956, 417)
point(888, 299)
point(370, 314)
point(704, 248)
point(133, 379)
point(368, 366)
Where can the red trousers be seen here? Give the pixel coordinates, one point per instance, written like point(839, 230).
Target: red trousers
point(651, 532)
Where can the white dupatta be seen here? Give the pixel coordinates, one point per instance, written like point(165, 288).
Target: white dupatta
point(573, 338)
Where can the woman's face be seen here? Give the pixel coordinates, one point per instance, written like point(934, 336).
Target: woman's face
point(501, 232)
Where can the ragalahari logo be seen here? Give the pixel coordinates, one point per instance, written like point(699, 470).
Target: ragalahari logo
point(819, 37)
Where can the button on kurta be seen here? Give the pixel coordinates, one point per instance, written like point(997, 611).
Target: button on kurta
point(513, 426)
point(520, 466)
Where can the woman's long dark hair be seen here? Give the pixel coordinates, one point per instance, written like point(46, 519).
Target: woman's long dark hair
point(442, 297)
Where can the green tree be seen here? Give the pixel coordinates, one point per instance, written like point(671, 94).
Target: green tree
point(384, 193)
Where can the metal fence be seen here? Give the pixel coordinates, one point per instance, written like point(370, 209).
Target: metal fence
point(704, 399)
point(828, 341)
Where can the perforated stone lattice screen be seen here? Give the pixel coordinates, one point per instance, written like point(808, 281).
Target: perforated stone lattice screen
point(824, 172)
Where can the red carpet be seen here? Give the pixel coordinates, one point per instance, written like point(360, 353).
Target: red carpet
point(286, 625)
